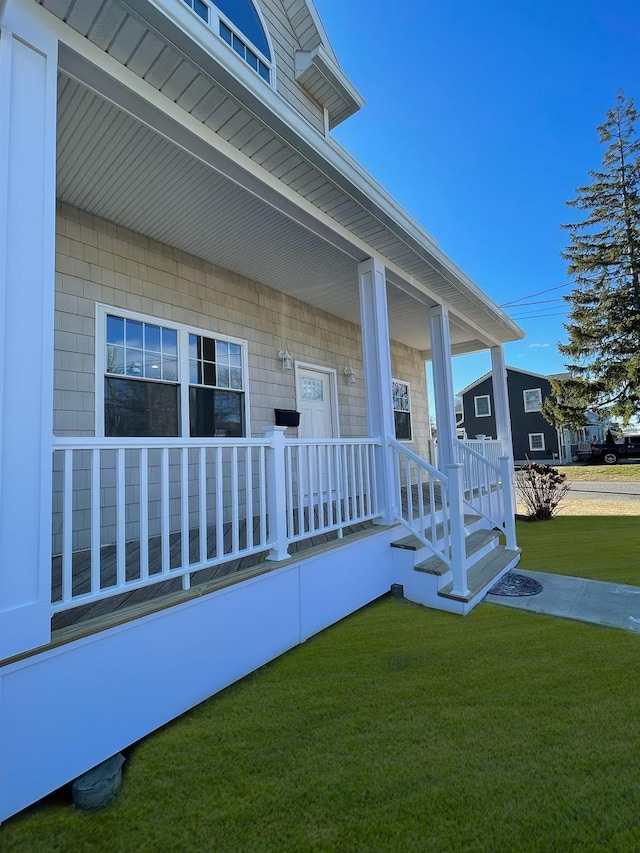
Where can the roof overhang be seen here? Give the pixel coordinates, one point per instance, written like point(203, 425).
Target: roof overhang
point(322, 200)
point(321, 77)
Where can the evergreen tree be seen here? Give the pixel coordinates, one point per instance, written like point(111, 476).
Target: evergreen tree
point(603, 257)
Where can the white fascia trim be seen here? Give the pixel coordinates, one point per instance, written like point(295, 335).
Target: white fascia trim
point(322, 33)
point(513, 369)
point(293, 129)
point(474, 384)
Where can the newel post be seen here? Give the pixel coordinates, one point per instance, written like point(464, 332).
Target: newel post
point(276, 494)
point(506, 470)
point(455, 475)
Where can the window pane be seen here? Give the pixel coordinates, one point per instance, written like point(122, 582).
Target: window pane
point(215, 413)
point(201, 9)
point(169, 341)
point(152, 337)
point(170, 369)
point(194, 346)
point(235, 355)
point(226, 33)
point(238, 45)
point(222, 352)
point(208, 373)
point(482, 406)
point(208, 349)
point(263, 71)
point(235, 380)
point(252, 59)
point(403, 425)
point(194, 372)
point(133, 362)
point(223, 376)
point(115, 330)
point(152, 366)
point(400, 396)
point(140, 408)
point(312, 390)
point(133, 331)
point(115, 359)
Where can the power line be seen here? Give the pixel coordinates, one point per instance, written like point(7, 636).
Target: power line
point(538, 302)
point(531, 316)
point(538, 293)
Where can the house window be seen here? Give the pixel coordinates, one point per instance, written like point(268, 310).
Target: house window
point(163, 380)
point(532, 399)
point(536, 441)
point(482, 406)
point(402, 409)
point(239, 24)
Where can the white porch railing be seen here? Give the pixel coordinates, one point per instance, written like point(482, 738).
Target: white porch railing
point(132, 512)
point(330, 484)
point(492, 449)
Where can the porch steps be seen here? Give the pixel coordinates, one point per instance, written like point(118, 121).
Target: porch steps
point(473, 543)
point(412, 543)
point(426, 578)
point(486, 570)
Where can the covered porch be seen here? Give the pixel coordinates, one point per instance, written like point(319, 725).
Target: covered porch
point(293, 214)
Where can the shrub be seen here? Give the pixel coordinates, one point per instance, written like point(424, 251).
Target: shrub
point(540, 488)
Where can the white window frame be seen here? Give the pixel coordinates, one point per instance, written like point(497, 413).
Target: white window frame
point(183, 330)
point(533, 435)
point(410, 413)
point(527, 407)
point(216, 17)
point(486, 397)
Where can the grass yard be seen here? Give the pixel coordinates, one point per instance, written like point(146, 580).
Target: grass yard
point(619, 473)
point(399, 729)
point(603, 548)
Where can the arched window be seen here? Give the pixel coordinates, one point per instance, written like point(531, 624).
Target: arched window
point(238, 23)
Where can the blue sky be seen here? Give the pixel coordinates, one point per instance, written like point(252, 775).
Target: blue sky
point(480, 118)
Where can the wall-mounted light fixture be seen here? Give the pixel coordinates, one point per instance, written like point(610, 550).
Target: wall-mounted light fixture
point(350, 373)
point(285, 357)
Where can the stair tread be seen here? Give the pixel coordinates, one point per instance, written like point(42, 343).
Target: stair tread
point(412, 543)
point(483, 572)
point(474, 542)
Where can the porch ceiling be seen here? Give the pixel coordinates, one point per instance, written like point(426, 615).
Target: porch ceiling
point(116, 167)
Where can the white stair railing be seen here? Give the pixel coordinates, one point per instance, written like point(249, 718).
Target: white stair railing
point(487, 486)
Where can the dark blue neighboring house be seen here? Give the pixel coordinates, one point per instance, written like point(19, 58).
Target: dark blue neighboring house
point(533, 437)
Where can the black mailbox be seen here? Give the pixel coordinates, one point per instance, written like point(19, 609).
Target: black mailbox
point(287, 417)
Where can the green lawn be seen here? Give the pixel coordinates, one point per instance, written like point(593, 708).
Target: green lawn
point(625, 473)
point(600, 547)
point(399, 729)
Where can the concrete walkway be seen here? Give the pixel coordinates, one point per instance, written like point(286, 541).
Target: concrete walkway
point(613, 604)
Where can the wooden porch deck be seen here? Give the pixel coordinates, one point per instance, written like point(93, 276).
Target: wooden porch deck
point(81, 569)
point(135, 598)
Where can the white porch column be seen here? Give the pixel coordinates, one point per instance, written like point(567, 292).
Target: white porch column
point(501, 400)
point(376, 353)
point(443, 386)
point(28, 80)
point(503, 433)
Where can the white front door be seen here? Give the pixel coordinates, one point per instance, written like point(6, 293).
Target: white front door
point(315, 403)
point(315, 394)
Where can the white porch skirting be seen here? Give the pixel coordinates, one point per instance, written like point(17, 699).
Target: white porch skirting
point(71, 707)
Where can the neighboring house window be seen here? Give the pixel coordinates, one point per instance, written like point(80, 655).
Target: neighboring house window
point(162, 379)
point(402, 410)
point(532, 400)
point(482, 406)
point(238, 23)
point(536, 441)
